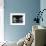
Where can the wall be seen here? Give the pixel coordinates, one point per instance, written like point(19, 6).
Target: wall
point(43, 6)
point(29, 7)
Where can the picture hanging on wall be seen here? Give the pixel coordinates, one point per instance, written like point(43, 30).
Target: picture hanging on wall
point(17, 18)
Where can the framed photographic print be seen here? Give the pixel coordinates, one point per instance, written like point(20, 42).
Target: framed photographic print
point(17, 18)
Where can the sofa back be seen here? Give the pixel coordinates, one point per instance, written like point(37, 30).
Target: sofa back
point(39, 35)
point(45, 38)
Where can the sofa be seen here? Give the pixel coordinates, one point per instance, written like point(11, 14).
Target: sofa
point(39, 33)
point(39, 37)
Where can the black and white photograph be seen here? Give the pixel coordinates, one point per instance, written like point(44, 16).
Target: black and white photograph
point(17, 19)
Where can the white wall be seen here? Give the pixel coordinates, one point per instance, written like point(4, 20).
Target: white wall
point(1, 21)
